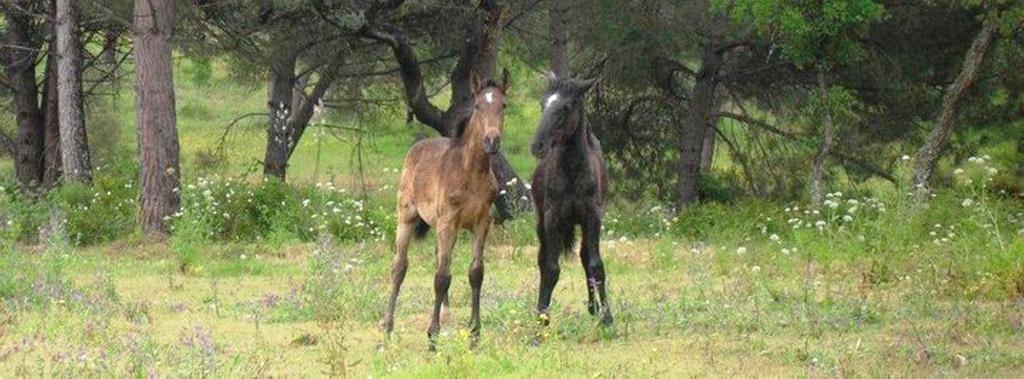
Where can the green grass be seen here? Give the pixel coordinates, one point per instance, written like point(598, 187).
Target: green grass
point(264, 279)
point(712, 312)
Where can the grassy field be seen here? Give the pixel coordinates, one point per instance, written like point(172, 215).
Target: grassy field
point(260, 280)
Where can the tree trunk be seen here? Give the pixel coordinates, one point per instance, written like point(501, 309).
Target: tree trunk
point(556, 14)
point(20, 59)
point(928, 156)
point(51, 121)
point(707, 154)
point(695, 128)
point(827, 139)
point(155, 118)
point(279, 104)
point(73, 142)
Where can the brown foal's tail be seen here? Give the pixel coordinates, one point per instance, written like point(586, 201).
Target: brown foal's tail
point(421, 229)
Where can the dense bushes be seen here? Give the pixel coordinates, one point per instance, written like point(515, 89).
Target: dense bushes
point(213, 209)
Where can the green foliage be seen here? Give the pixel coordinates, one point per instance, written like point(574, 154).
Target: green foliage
point(815, 32)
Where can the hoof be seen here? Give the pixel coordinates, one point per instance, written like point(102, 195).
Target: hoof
point(543, 318)
point(607, 320)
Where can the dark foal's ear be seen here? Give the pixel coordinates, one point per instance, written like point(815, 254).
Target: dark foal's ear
point(474, 83)
point(504, 80)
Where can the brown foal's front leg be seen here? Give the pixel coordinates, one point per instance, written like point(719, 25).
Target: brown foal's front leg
point(476, 273)
point(442, 278)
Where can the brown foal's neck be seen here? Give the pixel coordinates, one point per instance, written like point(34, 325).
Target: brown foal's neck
point(474, 158)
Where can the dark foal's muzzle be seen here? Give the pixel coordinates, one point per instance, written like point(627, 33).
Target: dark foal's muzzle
point(492, 144)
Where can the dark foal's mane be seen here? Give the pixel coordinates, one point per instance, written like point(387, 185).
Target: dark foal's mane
point(569, 190)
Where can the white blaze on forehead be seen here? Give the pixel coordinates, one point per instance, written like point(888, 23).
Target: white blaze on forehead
point(489, 96)
point(551, 99)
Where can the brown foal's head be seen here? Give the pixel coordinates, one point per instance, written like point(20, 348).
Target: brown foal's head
point(489, 110)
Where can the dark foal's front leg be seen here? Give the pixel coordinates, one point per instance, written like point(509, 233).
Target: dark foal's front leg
point(547, 262)
point(442, 280)
point(594, 267)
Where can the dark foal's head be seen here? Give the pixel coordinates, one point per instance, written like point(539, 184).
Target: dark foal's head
point(489, 110)
point(562, 113)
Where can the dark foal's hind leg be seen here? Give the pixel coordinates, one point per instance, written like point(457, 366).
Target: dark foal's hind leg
point(594, 267)
point(592, 300)
point(547, 262)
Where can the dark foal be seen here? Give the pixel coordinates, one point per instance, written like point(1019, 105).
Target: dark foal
point(447, 184)
point(569, 189)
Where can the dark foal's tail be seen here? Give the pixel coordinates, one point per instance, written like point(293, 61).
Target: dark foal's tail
point(421, 230)
point(568, 242)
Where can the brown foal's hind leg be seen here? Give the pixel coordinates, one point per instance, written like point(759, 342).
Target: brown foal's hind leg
point(404, 233)
point(594, 266)
point(476, 273)
point(442, 278)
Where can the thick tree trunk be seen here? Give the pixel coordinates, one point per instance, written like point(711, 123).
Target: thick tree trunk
point(291, 113)
point(697, 123)
point(73, 142)
point(556, 32)
point(155, 119)
point(827, 140)
point(927, 157)
point(51, 121)
point(279, 104)
point(20, 55)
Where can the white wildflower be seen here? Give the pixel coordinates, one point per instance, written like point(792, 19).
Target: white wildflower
point(958, 171)
point(905, 157)
point(741, 250)
point(305, 203)
point(755, 269)
point(967, 202)
point(774, 237)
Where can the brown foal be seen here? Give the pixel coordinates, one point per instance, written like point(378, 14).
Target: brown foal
point(447, 184)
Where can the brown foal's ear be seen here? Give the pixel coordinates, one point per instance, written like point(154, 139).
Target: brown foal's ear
point(474, 82)
point(504, 80)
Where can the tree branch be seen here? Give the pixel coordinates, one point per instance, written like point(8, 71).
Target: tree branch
point(7, 144)
point(844, 158)
point(409, 71)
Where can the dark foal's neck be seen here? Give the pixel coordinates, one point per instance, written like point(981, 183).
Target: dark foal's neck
point(573, 155)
